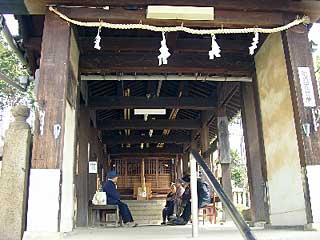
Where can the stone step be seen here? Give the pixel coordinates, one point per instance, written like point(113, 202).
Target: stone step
point(138, 203)
point(146, 212)
point(145, 205)
point(155, 208)
point(153, 222)
point(149, 217)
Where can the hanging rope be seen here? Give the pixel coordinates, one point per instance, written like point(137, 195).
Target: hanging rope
point(303, 20)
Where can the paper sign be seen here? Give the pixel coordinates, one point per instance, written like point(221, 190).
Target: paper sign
point(306, 87)
point(93, 167)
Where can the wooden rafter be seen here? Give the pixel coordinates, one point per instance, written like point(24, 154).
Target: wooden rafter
point(134, 139)
point(178, 63)
point(150, 124)
point(197, 103)
point(154, 151)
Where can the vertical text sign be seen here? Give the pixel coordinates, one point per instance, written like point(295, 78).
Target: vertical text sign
point(306, 87)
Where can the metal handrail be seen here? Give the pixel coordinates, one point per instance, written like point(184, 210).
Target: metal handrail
point(235, 215)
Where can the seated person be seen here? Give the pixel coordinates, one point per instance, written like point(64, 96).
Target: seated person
point(178, 199)
point(186, 204)
point(204, 198)
point(203, 192)
point(169, 207)
point(113, 198)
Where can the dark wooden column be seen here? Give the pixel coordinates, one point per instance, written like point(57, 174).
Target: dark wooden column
point(52, 92)
point(204, 136)
point(82, 174)
point(185, 160)
point(254, 153)
point(298, 56)
point(178, 162)
point(224, 151)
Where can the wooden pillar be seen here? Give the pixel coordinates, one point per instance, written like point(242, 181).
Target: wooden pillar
point(224, 151)
point(143, 179)
point(306, 103)
point(54, 135)
point(82, 177)
point(126, 185)
point(185, 160)
point(157, 172)
point(254, 154)
point(204, 136)
point(52, 95)
point(194, 196)
point(178, 161)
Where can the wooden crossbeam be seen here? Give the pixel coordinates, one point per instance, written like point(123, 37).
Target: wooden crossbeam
point(134, 139)
point(199, 103)
point(177, 63)
point(246, 11)
point(152, 151)
point(149, 44)
point(150, 124)
point(226, 92)
point(229, 18)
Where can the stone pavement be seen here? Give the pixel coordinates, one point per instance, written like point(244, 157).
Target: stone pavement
point(216, 232)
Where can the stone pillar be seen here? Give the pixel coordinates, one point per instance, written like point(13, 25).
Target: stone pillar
point(279, 90)
point(224, 152)
point(14, 177)
point(254, 154)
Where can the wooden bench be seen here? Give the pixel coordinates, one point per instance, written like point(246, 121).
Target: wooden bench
point(96, 210)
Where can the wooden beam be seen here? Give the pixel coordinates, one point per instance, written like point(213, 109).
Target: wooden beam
point(311, 7)
point(150, 157)
point(150, 124)
point(229, 18)
point(196, 103)
point(149, 44)
point(134, 139)
point(177, 63)
point(152, 151)
point(165, 77)
point(226, 92)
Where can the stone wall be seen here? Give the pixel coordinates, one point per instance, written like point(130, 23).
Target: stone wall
point(285, 189)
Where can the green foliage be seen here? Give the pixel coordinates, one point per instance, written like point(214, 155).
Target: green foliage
point(238, 170)
point(11, 67)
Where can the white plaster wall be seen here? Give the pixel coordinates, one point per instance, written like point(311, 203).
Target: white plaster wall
point(286, 196)
point(313, 174)
point(67, 198)
point(43, 202)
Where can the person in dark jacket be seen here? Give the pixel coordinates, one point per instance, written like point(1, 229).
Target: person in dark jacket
point(204, 193)
point(113, 198)
point(169, 207)
point(204, 198)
